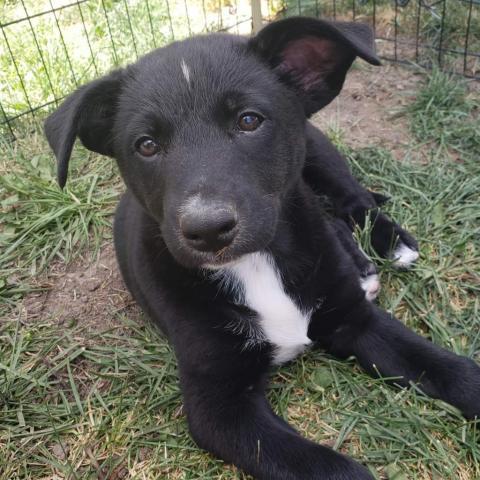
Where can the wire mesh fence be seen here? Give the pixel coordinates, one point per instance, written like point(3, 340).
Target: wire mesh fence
point(445, 33)
point(49, 47)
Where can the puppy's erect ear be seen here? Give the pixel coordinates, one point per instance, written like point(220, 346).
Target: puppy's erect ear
point(313, 56)
point(87, 113)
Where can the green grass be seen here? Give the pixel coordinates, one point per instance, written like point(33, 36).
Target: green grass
point(442, 113)
point(85, 404)
point(57, 52)
point(40, 222)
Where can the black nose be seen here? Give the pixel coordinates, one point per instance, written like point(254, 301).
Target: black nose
point(209, 228)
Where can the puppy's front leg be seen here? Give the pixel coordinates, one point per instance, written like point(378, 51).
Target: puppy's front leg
point(349, 325)
point(328, 173)
point(239, 427)
point(229, 416)
point(384, 345)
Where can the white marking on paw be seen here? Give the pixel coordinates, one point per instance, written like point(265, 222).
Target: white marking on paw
point(185, 70)
point(371, 286)
point(256, 283)
point(404, 256)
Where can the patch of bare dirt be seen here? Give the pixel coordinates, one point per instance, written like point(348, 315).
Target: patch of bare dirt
point(368, 110)
point(85, 292)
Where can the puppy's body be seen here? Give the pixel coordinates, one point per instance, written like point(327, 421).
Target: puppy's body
point(224, 242)
point(283, 286)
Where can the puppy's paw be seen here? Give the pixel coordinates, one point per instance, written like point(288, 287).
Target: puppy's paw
point(370, 282)
point(404, 256)
point(386, 232)
point(464, 391)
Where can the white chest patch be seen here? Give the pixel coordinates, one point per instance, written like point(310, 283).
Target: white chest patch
point(257, 284)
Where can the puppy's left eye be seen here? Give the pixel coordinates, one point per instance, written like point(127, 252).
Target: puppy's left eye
point(147, 146)
point(249, 121)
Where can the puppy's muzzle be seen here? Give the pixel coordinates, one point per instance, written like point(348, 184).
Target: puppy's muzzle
point(209, 227)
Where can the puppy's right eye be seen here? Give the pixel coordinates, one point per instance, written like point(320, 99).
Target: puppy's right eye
point(147, 146)
point(249, 121)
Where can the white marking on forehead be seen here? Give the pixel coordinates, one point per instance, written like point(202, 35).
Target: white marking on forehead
point(256, 283)
point(185, 70)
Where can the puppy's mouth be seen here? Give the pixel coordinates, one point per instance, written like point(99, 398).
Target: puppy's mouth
point(205, 260)
point(221, 261)
point(212, 260)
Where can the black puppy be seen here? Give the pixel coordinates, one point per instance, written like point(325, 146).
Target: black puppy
point(222, 238)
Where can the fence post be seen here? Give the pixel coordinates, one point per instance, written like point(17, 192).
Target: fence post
point(256, 15)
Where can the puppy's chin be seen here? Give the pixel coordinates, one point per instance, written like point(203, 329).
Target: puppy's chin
point(193, 259)
point(219, 265)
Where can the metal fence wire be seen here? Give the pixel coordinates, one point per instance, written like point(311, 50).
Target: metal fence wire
point(49, 47)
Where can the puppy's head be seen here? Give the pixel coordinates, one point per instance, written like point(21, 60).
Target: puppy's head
point(209, 133)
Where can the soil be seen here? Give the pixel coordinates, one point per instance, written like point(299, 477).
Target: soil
point(90, 291)
point(87, 291)
point(369, 109)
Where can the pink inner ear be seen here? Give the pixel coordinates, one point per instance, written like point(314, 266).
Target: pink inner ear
point(311, 59)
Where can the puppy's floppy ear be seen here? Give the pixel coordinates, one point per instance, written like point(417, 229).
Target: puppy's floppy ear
point(313, 56)
point(87, 113)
